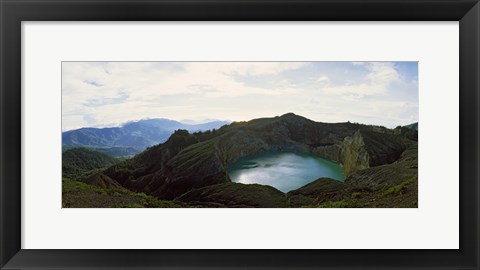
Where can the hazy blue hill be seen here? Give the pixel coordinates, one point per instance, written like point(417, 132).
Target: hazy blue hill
point(135, 135)
point(408, 131)
point(206, 126)
point(413, 126)
point(76, 162)
point(156, 122)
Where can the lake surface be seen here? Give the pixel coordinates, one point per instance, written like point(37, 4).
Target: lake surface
point(284, 171)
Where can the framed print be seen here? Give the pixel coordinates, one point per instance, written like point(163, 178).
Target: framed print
point(248, 159)
point(239, 134)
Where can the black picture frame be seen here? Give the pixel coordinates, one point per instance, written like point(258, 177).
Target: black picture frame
point(13, 12)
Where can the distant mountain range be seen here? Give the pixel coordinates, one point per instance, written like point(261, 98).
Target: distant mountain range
point(132, 137)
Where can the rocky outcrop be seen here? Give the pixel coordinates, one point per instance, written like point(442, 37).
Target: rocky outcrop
point(384, 148)
point(364, 149)
point(387, 175)
point(355, 155)
point(333, 152)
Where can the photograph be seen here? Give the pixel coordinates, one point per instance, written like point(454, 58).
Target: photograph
point(240, 134)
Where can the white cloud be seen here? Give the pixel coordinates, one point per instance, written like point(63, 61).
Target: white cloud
point(115, 86)
point(376, 82)
point(246, 68)
point(382, 73)
point(106, 94)
point(323, 78)
point(356, 90)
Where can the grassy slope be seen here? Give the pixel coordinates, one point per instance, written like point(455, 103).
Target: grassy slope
point(403, 195)
point(80, 195)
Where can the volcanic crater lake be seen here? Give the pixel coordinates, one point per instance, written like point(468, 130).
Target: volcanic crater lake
point(284, 171)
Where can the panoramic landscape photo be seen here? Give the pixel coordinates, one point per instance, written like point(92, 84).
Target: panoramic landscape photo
point(240, 134)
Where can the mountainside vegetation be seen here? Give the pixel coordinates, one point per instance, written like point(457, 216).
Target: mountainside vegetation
point(190, 169)
point(78, 161)
point(117, 151)
point(76, 194)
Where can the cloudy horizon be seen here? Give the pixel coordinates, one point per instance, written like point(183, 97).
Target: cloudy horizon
point(105, 94)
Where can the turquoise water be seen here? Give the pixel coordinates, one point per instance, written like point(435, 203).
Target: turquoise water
point(283, 170)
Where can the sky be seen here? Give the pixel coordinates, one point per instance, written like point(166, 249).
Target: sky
point(105, 94)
